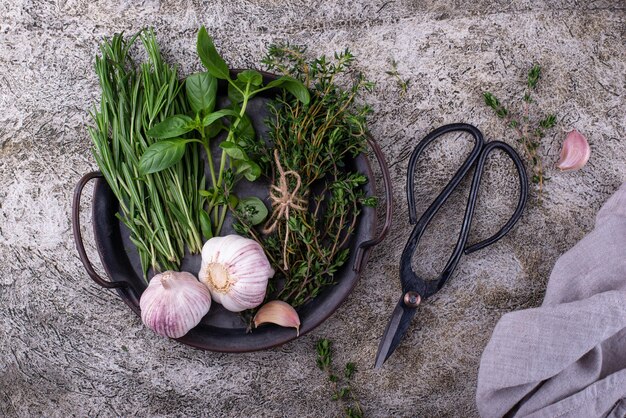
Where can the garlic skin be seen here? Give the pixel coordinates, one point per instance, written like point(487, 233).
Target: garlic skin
point(575, 152)
point(173, 303)
point(279, 313)
point(236, 271)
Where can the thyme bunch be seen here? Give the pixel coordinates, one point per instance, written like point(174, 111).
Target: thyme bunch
point(342, 385)
point(316, 140)
point(529, 131)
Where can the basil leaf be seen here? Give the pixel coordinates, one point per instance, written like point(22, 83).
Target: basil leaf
point(212, 117)
point(293, 86)
point(161, 155)
point(213, 129)
point(253, 172)
point(250, 76)
point(172, 127)
point(253, 209)
point(205, 225)
point(234, 95)
point(209, 56)
point(245, 130)
point(233, 150)
point(201, 92)
point(250, 170)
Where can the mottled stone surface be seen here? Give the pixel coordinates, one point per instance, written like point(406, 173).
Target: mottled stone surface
point(70, 347)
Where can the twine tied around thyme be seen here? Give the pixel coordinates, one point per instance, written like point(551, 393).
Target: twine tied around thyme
point(282, 201)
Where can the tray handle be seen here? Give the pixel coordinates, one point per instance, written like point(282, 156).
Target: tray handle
point(365, 246)
point(78, 239)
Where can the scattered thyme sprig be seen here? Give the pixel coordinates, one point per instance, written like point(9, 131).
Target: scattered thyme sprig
point(342, 385)
point(402, 83)
point(529, 133)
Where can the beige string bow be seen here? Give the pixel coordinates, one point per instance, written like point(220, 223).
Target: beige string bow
point(282, 201)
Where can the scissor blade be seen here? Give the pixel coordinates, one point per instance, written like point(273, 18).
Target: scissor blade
point(398, 324)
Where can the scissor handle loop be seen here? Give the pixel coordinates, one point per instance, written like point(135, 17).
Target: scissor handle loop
point(523, 193)
point(478, 155)
point(456, 179)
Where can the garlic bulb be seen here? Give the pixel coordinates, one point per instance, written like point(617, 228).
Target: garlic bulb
point(236, 271)
point(174, 303)
point(575, 152)
point(279, 313)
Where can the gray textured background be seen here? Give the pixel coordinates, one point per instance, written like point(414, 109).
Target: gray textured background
point(69, 347)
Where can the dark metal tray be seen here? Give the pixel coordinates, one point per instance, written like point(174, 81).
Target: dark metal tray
point(221, 330)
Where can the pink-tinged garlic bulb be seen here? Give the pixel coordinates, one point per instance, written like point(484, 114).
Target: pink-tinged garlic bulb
point(575, 152)
point(236, 271)
point(174, 303)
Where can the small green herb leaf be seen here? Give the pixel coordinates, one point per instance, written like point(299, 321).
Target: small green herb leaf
point(161, 155)
point(250, 76)
point(235, 95)
point(253, 173)
point(491, 100)
point(172, 127)
point(233, 150)
point(212, 117)
point(211, 60)
point(249, 169)
point(201, 92)
point(213, 129)
point(371, 201)
point(245, 130)
point(548, 122)
point(233, 200)
point(533, 76)
point(253, 210)
point(205, 225)
point(293, 86)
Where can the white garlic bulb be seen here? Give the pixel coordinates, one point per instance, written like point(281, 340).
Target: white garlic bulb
point(174, 303)
point(236, 271)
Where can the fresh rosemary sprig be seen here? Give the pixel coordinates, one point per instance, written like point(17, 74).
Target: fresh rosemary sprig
point(317, 197)
point(342, 385)
point(159, 209)
point(529, 131)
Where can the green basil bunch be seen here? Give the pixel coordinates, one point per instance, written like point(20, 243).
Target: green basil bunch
point(176, 133)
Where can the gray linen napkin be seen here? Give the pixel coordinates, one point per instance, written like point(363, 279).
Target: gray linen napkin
point(566, 358)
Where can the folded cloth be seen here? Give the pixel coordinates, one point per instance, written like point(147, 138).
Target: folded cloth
point(566, 358)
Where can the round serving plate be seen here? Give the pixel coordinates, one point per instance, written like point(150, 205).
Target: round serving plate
point(221, 330)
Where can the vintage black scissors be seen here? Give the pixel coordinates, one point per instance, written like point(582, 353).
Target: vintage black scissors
point(415, 289)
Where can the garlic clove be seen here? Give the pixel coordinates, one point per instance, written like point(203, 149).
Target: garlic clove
point(279, 313)
point(174, 303)
point(575, 152)
point(236, 271)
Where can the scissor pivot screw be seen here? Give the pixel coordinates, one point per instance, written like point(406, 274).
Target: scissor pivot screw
point(412, 299)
